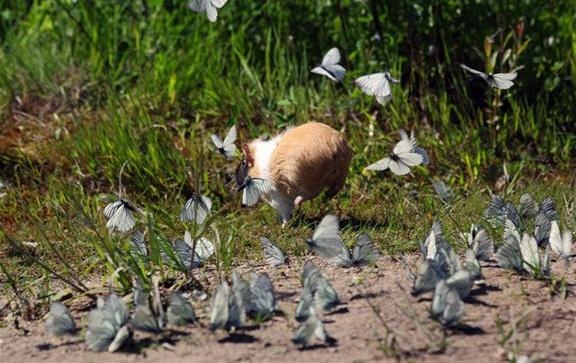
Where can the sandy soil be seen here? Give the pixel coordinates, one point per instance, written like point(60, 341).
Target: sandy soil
point(378, 321)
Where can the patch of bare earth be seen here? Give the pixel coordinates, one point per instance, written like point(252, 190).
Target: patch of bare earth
point(378, 321)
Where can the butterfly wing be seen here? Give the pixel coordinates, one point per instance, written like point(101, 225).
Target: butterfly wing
point(219, 314)
point(218, 3)
point(380, 165)
point(228, 146)
point(211, 11)
point(529, 251)
point(144, 319)
point(273, 254)
point(475, 72)
point(217, 141)
point(198, 6)
point(254, 189)
point(373, 84)
point(503, 80)
point(331, 57)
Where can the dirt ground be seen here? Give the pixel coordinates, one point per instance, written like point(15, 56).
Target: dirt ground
point(378, 321)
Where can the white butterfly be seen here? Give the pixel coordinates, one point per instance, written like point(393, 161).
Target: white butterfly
point(560, 243)
point(120, 215)
point(495, 80)
point(417, 149)
point(196, 209)
point(207, 6)
point(402, 157)
point(330, 67)
point(529, 252)
point(107, 329)
point(227, 309)
point(377, 84)
point(479, 242)
point(226, 147)
point(253, 188)
point(317, 293)
point(180, 312)
point(273, 254)
point(262, 304)
point(144, 319)
point(204, 248)
point(59, 321)
point(447, 307)
point(312, 328)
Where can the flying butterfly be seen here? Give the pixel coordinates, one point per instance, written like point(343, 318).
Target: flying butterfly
point(312, 328)
point(180, 312)
point(330, 67)
point(210, 7)
point(494, 80)
point(326, 240)
point(226, 147)
point(402, 157)
point(253, 188)
point(120, 215)
point(196, 209)
point(378, 85)
point(59, 321)
point(107, 328)
point(417, 149)
point(273, 254)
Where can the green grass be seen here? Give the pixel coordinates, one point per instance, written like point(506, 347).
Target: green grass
point(95, 86)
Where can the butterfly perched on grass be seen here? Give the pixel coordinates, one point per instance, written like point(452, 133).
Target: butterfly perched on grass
point(404, 155)
point(59, 321)
point(107, 329)
point(210, 7)
point(253, 188)
point(494, 80)
point(120, 215)
point(378, 85)
point(330, 67)
point(226, 147)
point(272, 253)
point(326, 241)
point(196, 209)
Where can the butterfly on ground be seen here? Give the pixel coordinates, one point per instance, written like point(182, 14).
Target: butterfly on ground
point(310, 329)
point(59, 321)
point(273, 254)
point(227, 309)
point(494, 80)
point(403, 156)
point(561, 243)
point(317, 293)
point(447, 307)
point(330, 67)
point(180, 312)
point(378, 85)
point(210, 7)
point(226, 147)
point(196, 209)
point(253, 188)
point(120, 215)
point(107, 329)
point(328, 243)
